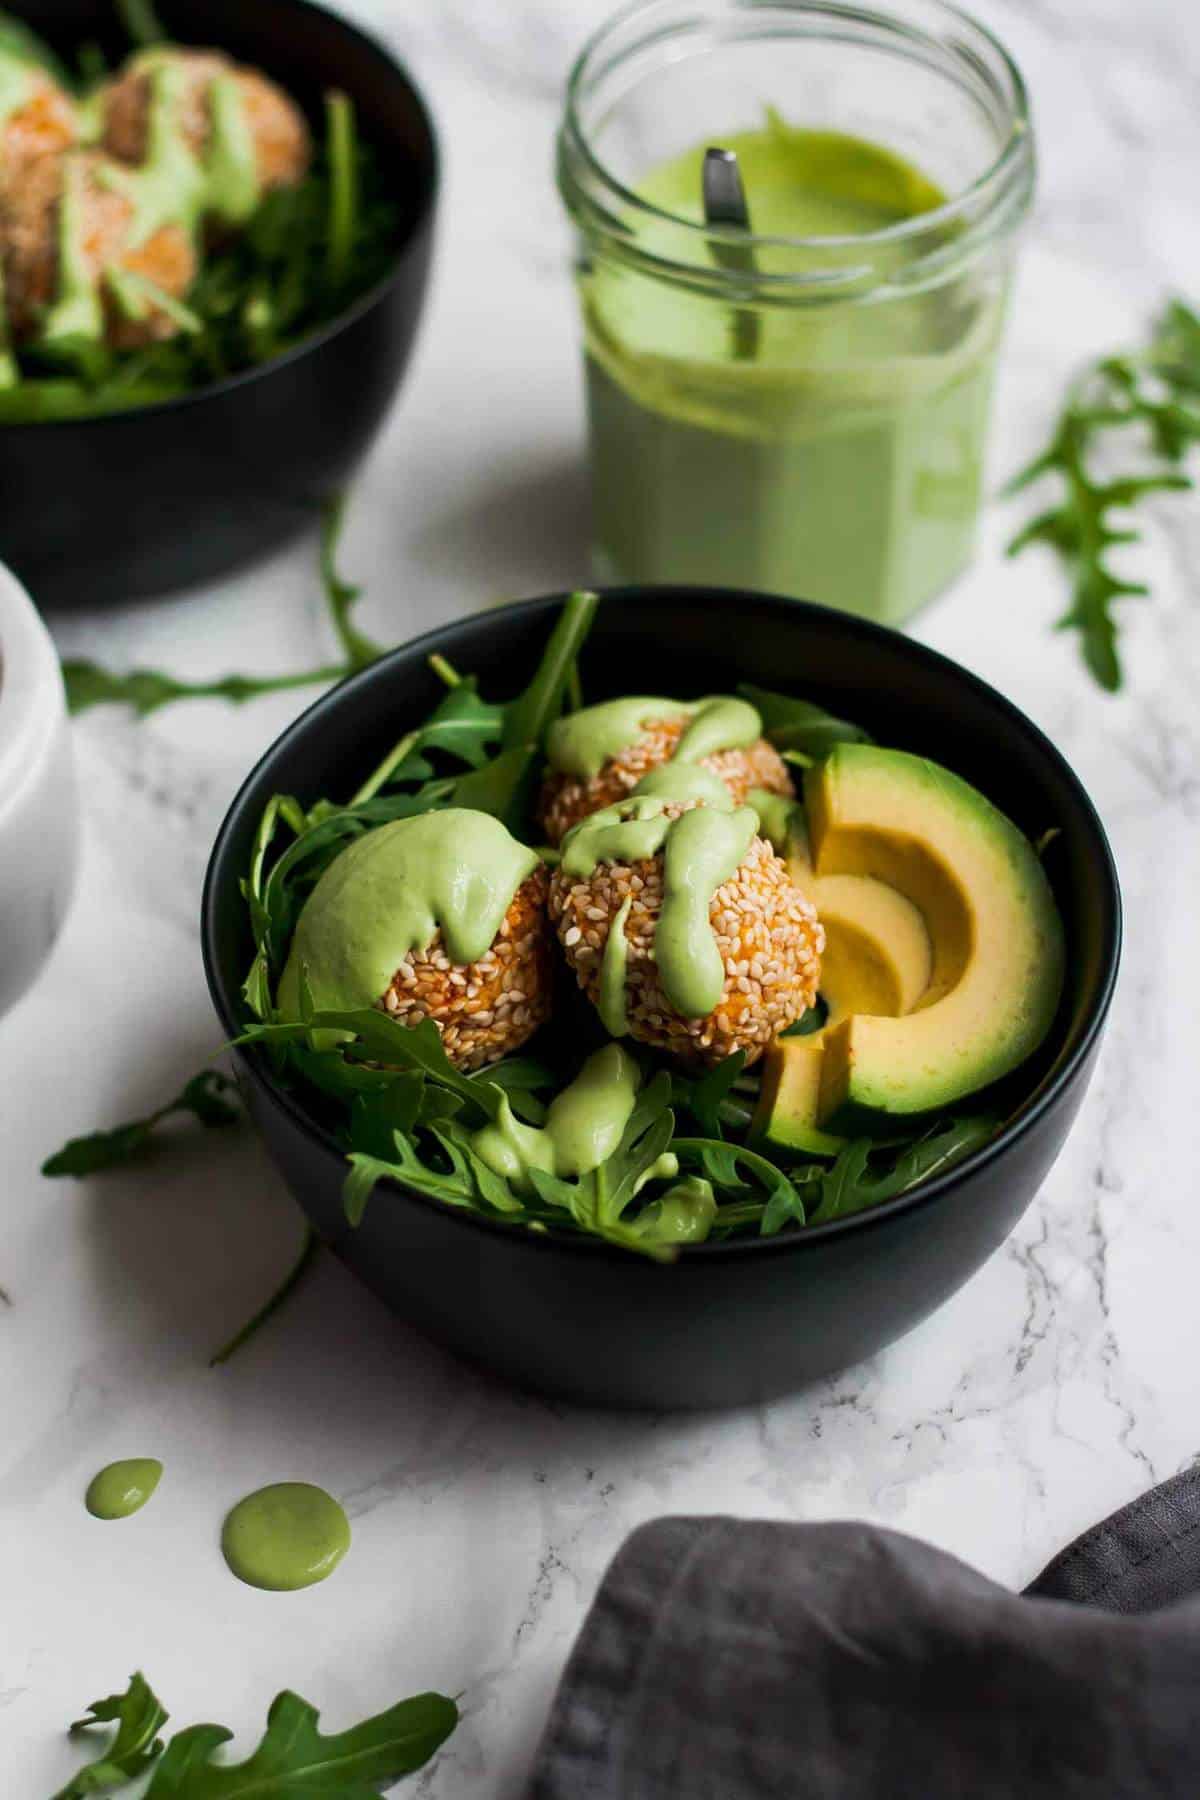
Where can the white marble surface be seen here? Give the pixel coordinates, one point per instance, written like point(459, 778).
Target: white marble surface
point(1059, 1383)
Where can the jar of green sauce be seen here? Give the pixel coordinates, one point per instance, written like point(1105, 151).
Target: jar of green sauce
point(803, 407)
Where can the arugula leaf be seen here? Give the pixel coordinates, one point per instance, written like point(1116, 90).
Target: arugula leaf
point(850, 1186)
point(139, 1716)
point(842, 1188)
point(204, 1097)
point(462, 1180)
point(810, 1020)
point(340, 596)
point(936, 1152)
point(707, 1099)
point(782, 1201)
point(340, 136)
point(141, 23)
point(527, 717)
point(798, 725)
point(1150, 391)
point(146, 690)
point(294, 1758)
point(377, 1037)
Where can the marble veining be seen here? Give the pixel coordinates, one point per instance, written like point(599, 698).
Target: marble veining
point(1058, 1384)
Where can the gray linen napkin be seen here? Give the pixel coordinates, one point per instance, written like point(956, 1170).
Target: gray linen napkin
point(733, 1660)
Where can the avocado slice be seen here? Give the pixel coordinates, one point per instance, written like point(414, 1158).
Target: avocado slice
point(994, 931)
point(878, 959)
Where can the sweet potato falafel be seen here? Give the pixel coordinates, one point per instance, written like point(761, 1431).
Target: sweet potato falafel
point(441, 916)
point(70, 242)
point(684, 929)
point(40, 119)
point(642, 736)
point(273, 121)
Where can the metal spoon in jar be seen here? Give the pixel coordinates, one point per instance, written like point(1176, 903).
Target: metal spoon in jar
point(725, 206)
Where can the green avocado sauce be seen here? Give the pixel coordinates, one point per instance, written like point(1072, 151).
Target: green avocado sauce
point(775, 814)
point(584, 741)
point(285, 1537)
point(614, 964)
point(685, 783)
point(843, 460)
point(388, 894)
point(123, 1487)
point(16, 84)
point(584, 1126)
point(76, 312)
point(171, 186)
point(683, 1215)
point(701, 850)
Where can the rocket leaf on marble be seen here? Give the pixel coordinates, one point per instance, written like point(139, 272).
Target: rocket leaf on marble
point(1145, 402)
point(293, 1757)
point(207, 1097)
point(139, 1716)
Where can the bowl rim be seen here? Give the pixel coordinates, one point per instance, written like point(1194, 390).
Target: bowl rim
point(695, 1256)
point(364, 303)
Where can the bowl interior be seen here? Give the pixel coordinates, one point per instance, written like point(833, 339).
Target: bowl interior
point(690, 641)
point(301, 46)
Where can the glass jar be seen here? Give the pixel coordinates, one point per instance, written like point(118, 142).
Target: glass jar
point(803, 407)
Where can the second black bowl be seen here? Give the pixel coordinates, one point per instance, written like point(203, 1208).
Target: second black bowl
point(729, 1322)
point(99, 511)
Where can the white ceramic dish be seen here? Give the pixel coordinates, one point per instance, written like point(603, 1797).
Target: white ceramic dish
point(39, 819)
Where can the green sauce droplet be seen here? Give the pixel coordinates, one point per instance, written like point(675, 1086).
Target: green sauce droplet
point(584, 1124)
point(584, 741)
point(390, 892)
point(614, 1014)
point(17, 84)
point(684, 783)
point(76, 312)
point(720, 723)
point(123, 1488)
point(683, 1215)
point(234, 188)
point(285, 1537)
point(775, 816)
point(701, 851)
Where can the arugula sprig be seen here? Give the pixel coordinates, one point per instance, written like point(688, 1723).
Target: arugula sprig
point(293, 1757)
point(139, 1716)
point(1149, 399)
point(210, 1098)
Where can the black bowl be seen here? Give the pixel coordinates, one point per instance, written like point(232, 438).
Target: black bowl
point(732, 1322)
point(100, 511)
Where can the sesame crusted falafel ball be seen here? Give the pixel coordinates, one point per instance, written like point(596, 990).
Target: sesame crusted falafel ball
point(103, 242)
point(489, 1008)
point(438, 915)
point(42, 123)
point(566, 799)
point(765, 931)
point(282, 148)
